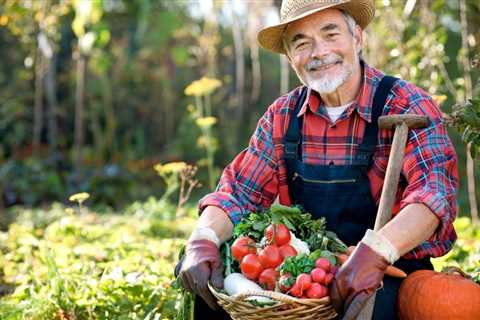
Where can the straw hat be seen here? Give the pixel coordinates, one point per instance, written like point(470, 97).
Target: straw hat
point(270, 38)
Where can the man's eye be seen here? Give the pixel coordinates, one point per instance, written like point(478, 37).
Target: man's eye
point(300, 45)
point(331, 35)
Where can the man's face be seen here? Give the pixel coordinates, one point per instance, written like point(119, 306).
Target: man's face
point(322, 50)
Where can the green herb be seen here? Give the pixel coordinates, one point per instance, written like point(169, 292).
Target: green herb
point(297, 265)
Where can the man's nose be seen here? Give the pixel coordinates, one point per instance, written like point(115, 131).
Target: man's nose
point(319, 49)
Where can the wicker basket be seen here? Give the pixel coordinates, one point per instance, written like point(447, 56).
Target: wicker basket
point(286, 307)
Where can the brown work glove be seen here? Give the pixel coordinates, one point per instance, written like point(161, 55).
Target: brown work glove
point(356, 280)
point(200, 264)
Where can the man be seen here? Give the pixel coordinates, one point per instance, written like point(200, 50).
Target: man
point(320, 146)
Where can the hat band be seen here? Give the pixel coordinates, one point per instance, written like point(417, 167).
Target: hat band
point(311, 7)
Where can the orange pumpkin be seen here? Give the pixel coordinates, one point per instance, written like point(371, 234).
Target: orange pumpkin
point(427, 294)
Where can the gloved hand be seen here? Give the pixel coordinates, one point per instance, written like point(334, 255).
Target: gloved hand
point(200, 264)
point(356, 280)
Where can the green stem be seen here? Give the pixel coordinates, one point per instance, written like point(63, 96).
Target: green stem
point(198, 102)
point(228, 260)
point(208, 107)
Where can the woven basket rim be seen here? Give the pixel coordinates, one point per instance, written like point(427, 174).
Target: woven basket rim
point(283, 307)
point(276, 296)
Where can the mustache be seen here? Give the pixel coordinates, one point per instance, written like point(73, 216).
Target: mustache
point(318, 63)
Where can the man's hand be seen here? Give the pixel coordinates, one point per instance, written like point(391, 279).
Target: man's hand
point(357, 279)
point(200, 264)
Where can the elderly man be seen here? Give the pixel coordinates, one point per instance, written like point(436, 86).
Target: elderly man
point(319, 146)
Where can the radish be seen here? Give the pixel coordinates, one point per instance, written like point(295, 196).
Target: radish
point(316, 291)
point(328, 278)
point(323, 263)
point(296, 291)
point(304, 281)
point(318, 275)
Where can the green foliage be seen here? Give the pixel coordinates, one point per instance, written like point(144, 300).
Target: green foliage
point(312, 231)
point(64, 265)
point(466, 119)
point(466, 251)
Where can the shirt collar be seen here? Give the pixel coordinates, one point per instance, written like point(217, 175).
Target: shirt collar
point(363, 102)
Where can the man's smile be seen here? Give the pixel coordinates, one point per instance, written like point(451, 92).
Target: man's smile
point(317, 65)
point(323, 67)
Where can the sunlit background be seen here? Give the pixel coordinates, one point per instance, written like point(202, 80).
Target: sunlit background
point(116, 116)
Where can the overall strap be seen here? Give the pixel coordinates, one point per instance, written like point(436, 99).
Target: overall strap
point(292, 140)
point(367, 148)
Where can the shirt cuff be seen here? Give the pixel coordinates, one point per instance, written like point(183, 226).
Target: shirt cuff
point(224, 201)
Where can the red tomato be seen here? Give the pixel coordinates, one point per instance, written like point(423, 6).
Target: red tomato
point(317, 291)
point(268, 278)
point(270, 257)
point(304, 280)
point(296, 291)
point(251, 266)
point(318, 275)
point(323, 263)
point(277, 234)
point(285, 282)
point(328, 279)
point(243, 246)
point(287, 251)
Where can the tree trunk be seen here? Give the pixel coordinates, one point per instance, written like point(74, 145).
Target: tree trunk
point(79, 111)
point(468, 95)
point(239, 75)
point(38, 108)
point(51, 95)
point(256, 74)
point(254, 24)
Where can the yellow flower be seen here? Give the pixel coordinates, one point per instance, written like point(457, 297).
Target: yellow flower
point(69, 211)
point(79, 197)
point(206, 122)
point(172, 167)
point(439, 99)
point(3, 20)
point(201, 87)
point(191, 108)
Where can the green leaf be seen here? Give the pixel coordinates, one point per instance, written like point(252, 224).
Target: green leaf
point(330, 256)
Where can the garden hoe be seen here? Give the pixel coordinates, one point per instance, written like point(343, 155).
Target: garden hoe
point(401, 123)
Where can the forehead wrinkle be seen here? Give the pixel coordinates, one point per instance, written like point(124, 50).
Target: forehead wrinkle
point(299, 35)
point(330, 27)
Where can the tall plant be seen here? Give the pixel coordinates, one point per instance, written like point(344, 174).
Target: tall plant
point(202, 113)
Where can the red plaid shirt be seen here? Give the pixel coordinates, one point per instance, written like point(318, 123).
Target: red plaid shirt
point(253, 180)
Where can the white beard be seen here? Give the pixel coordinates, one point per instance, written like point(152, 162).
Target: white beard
point(328, 83)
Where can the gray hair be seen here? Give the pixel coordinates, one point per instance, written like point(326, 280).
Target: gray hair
point(351, 23)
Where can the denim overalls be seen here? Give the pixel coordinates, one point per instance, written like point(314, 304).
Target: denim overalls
point(341, 193)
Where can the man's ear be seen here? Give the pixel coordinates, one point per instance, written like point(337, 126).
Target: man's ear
point(358, 38)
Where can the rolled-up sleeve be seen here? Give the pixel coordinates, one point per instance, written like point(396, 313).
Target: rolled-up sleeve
point(430, 166)
point(250, 181)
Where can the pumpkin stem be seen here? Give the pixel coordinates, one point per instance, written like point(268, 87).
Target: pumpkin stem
point(455, 270)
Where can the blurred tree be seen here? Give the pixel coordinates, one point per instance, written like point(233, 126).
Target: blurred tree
point(465, 58)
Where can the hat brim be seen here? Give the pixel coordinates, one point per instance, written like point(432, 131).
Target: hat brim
point(270, 38)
